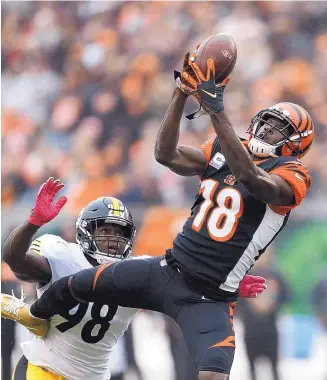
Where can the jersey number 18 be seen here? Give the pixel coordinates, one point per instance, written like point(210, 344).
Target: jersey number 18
point(223, 218)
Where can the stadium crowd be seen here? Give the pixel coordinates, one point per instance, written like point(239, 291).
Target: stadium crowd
point(86, 84)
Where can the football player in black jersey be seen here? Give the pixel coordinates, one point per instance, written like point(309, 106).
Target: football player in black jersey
point(247, 191)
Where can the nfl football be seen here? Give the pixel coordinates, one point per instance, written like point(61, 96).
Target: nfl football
point(222, 49)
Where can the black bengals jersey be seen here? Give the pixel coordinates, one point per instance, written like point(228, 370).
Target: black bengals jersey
point(228, 228)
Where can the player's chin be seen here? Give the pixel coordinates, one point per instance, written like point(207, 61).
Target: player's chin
point(110, 251)
point(114, 252)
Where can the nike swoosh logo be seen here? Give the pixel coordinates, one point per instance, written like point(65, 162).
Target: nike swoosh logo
point(210, 94)
point(299, 177)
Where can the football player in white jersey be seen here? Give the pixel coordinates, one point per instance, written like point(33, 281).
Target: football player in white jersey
point(78, 343)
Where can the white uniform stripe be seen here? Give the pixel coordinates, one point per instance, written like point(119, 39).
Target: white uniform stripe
point(271, 224)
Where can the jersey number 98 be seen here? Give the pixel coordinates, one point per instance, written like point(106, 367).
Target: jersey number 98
point(97, 319)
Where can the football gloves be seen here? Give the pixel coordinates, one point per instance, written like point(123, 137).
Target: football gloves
point(203, 88)
point(251, 286)
point(44, 210)
point(182, 80)
point(211, 95)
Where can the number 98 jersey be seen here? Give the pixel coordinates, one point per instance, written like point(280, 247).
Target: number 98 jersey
point(228, 228)
point(79, 343)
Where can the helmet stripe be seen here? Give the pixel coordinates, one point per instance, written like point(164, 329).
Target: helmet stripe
point(296, 109)
point(305, 150)
point(305, 117)
point(309, 122)
point(123, 209)
point(116, 207)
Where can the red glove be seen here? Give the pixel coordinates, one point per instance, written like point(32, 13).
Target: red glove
point(44, 210)
point(251, 286)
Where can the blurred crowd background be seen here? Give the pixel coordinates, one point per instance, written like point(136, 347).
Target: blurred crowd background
point(85, 86)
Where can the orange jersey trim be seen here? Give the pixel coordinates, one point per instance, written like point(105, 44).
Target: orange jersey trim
point(206, 148)
point(298, 177)
point(228, 342)
point(98, 272)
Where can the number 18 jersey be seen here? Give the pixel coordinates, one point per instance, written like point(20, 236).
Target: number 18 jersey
point(228, 228)
point(79, 343)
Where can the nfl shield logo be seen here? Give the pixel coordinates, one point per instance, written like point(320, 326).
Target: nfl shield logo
point(217, 161)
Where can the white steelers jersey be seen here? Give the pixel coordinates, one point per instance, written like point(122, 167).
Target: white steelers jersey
point(78, 344)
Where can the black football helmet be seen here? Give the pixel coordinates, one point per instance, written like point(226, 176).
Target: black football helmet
point(102, 211)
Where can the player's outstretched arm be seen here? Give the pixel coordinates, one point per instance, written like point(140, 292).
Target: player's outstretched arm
point(181, 159)
point(271, 189)
point(27, 265)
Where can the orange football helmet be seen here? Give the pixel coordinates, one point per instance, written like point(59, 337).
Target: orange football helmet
point(297, 143)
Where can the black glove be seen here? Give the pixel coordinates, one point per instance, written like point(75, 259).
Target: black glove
point(211, 95)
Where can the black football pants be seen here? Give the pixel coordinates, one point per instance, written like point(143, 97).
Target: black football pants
point(149, 283)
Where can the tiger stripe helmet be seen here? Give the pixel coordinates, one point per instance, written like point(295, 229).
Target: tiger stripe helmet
point(296, 144)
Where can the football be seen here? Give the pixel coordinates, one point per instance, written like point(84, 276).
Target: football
point(222, 49)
